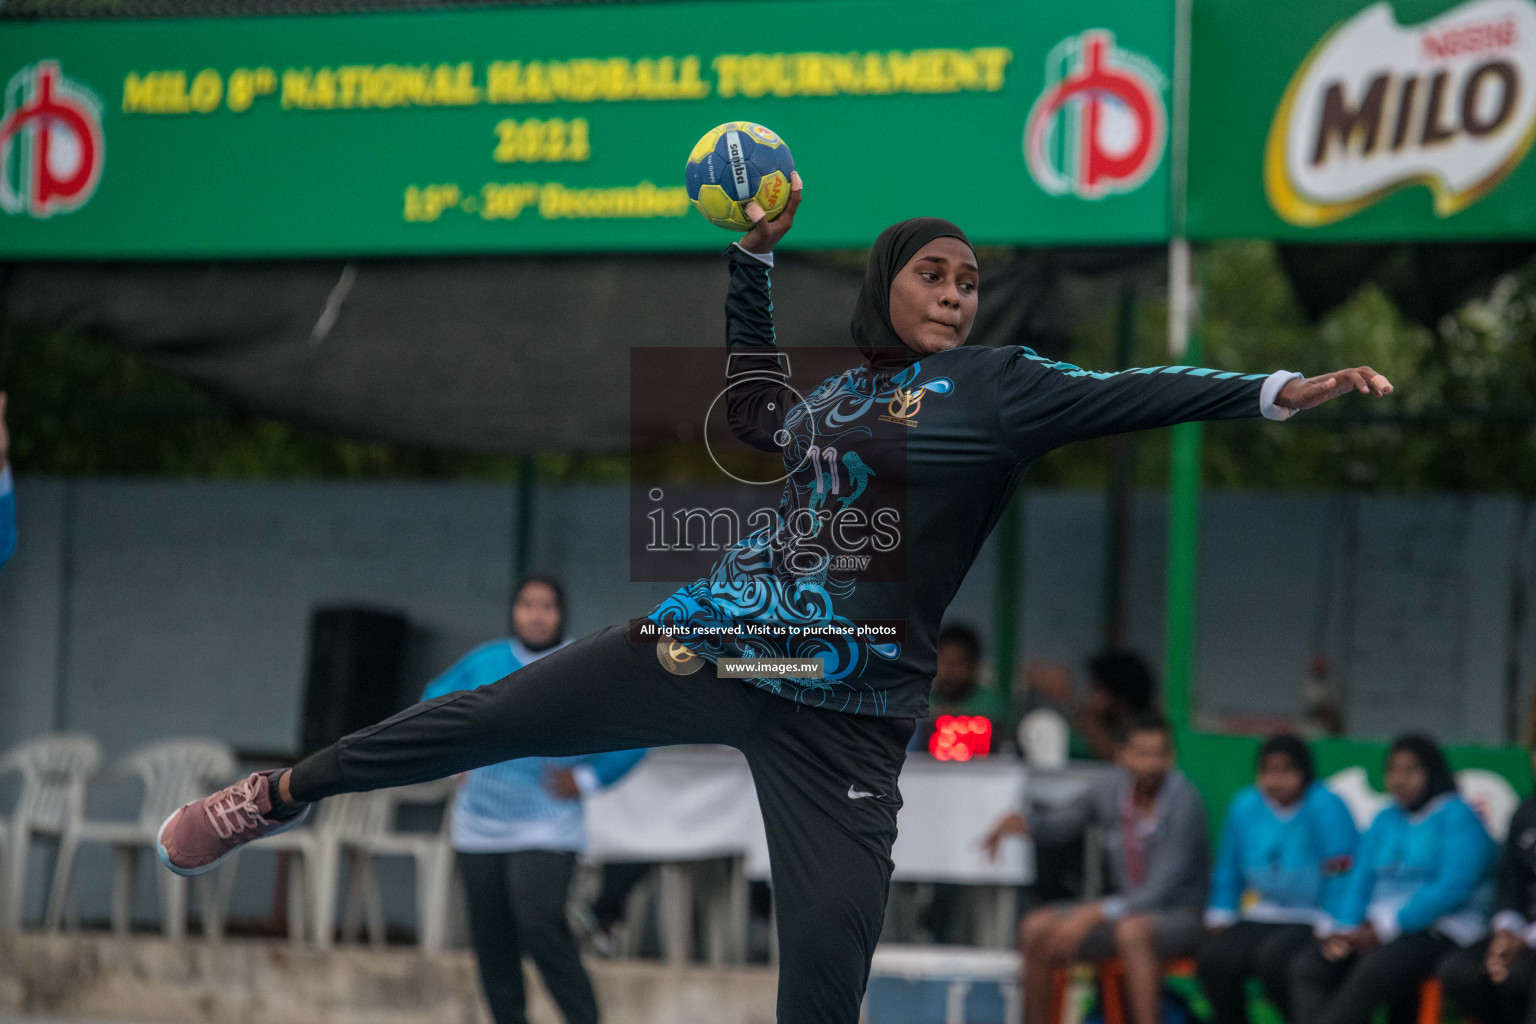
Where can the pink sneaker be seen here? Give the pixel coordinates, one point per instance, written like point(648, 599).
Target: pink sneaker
point(198, 836)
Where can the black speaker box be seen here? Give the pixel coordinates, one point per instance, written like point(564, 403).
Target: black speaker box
point(356, 659)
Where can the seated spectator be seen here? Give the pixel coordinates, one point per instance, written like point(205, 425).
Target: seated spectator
point(1491, 981)
point(1120, 687)
point(7, 493)
point(1411, 898)
point(1287, 845)
point(1159, 863)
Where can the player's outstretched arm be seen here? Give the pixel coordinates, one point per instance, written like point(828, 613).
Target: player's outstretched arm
point(1045, 403)
point(1310, 392)
point(757, 399)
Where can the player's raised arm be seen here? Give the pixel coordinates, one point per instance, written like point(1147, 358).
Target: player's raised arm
point(758, 397)
point(1045, 403)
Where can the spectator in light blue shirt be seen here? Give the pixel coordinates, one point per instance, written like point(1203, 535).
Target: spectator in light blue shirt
point(7, 493)
point(517, 827)
point(1420, 888)
point(1285, 851)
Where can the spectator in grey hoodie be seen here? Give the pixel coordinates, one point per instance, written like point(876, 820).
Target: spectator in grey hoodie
point(1159, 867)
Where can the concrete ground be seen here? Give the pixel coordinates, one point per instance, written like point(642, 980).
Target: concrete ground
point(93, 978)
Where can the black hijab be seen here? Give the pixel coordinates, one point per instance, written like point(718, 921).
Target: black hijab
point(1427, 752)
point(1290, 746)
point(559, 592)
point(872, 331)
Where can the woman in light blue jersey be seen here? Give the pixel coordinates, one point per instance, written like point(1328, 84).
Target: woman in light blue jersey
point(1417, 892)
point(518, 825)
point(1285, 851)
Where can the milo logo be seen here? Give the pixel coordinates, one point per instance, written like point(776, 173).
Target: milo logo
point(1449, 104)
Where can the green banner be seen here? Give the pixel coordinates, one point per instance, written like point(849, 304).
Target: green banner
point(1329, 121)
point(567, 129)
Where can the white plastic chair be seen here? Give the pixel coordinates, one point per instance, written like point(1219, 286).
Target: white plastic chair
point(1491, 796)
point(53, 770)
point(313, 855)
point(373, 834)
point(1353, 786)
point(172, 772)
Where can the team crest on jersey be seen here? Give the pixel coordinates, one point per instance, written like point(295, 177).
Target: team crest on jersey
point(903, 407)
point(677, 658)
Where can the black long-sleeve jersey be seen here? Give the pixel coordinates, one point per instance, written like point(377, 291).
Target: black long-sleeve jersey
point(895, 478)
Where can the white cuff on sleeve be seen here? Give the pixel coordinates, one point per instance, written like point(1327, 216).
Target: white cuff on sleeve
point(586, 779)
point(1219, 917)
point(767, 257)
point(1114, 908)
point(1384, 923)
point(1510, 921)
point(1270, 391)
point(5, 479)
point(1326, 926)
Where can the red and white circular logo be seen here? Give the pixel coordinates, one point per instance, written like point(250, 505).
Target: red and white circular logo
point(1100, 126)
point(51, 144)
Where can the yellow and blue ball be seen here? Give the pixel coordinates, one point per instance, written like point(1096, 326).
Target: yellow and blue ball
point(733, 164)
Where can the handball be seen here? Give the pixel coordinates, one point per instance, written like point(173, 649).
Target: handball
point(734, 164)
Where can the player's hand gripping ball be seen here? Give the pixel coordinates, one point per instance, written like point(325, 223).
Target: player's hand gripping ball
point(734, 164)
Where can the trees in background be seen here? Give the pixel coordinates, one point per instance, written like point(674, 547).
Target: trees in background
point(1463, 416)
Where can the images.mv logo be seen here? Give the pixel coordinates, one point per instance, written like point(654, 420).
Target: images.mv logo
point(51, 144)
point(1100, 126)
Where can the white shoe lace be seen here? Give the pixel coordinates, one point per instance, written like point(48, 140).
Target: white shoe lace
point(234, 811)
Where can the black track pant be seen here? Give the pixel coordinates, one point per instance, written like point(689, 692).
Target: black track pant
point(1469, 988)
point(1349, 991)
point(516, 906)
point(826, 781)
point(1249, 949)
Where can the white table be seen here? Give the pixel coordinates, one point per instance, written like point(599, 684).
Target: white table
point(684, 805)
point(695, 803)
point(687, 807)
point(680, 803)
point(948, 810)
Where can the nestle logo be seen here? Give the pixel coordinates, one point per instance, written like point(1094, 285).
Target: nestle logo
point(1469, 39)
